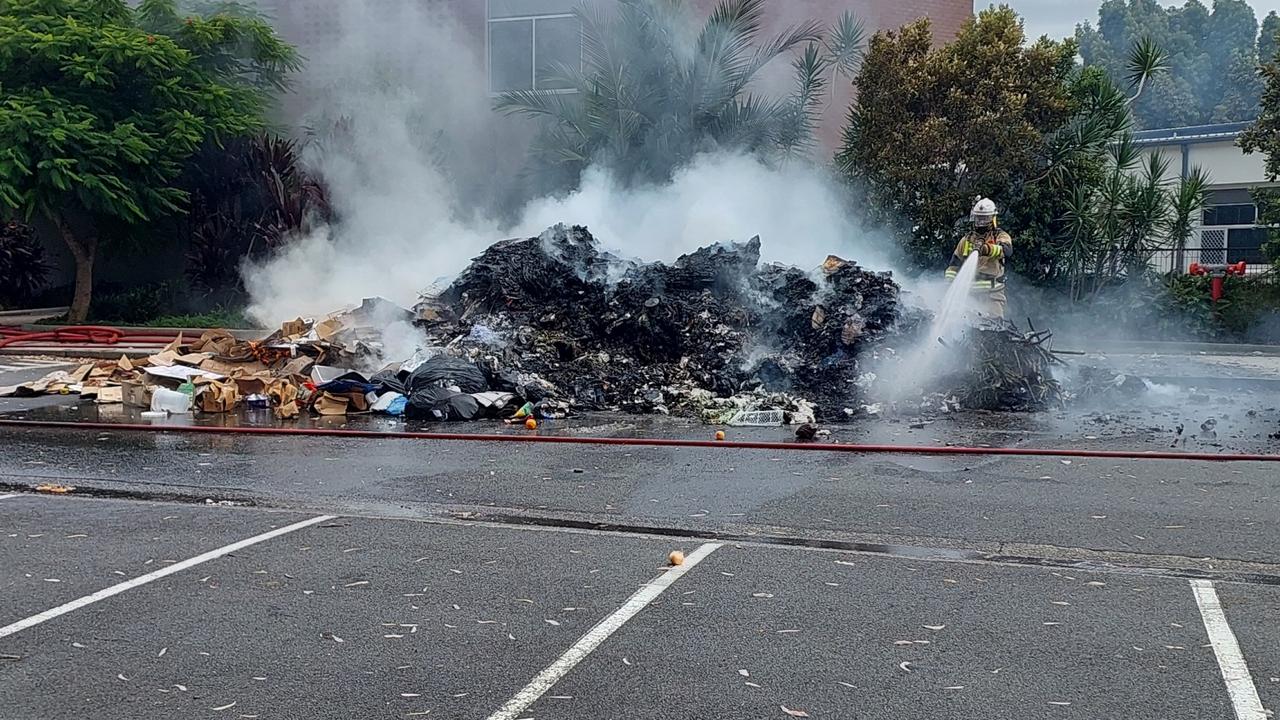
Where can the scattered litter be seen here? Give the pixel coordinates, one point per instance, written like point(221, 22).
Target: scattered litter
point(794, 713)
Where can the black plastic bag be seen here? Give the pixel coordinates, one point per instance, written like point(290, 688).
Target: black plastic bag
point(433, 403)
point(391, 381)
point(443, 371)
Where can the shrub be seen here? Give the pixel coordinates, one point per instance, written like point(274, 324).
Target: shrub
point(248, 198)
point(23, 269)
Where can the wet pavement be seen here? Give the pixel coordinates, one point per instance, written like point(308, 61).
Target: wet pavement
point(431, 579)
point(384, 618)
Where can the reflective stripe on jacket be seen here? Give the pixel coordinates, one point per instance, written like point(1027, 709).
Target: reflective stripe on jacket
point(991, 266)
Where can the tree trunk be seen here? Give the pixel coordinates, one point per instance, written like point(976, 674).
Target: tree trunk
point(84, 251)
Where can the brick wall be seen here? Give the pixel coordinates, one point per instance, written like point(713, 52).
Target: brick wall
point(946, 16)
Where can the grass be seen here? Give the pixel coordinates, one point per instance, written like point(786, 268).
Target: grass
point(211, 319)
point(229, 319)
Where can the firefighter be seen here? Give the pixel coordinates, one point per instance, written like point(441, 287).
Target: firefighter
point(993, 246)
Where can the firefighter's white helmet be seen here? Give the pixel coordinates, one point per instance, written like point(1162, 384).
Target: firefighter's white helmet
point(983, 213)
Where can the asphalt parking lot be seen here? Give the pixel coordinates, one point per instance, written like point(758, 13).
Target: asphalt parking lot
point(339, 617)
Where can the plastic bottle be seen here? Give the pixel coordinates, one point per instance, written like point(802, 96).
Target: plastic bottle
point(164, 400)
point(187, 388)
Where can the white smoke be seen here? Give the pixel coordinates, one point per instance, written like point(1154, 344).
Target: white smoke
point(795, 209)
point(420, 152)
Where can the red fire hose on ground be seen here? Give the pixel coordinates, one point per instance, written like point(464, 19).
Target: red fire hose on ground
point(646, 442)
point(84, 335)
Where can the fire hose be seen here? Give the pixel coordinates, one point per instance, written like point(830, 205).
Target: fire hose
point(648, 442)
point(84, 335)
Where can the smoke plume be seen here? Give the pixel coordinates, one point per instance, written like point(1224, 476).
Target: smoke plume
point(424, 175)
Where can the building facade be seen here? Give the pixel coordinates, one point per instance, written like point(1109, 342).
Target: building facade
point(517, 43)
point(1227, 231)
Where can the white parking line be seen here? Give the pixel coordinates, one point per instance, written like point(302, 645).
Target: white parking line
point(1235, 672)
point(543, 681)
point(10, 495)
point(152, 576)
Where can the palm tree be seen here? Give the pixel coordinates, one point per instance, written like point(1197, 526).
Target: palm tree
point(1120, 205)
point(647, 98)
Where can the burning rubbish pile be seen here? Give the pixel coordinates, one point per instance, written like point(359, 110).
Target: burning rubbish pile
point(552, 319)
point(550, 325)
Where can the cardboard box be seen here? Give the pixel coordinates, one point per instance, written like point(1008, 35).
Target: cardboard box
point(217, 397)
point(136, 394)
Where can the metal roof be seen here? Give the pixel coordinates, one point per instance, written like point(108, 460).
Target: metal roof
point(1194, 133)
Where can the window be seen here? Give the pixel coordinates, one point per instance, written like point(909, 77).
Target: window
point(510, 52)
point(1246, 244)
point(1230, 215)
point(529, 52)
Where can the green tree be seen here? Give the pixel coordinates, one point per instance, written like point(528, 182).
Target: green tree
point(1267, 38)
point(933, 128)
point(231, 40)
point(647, 100)
point(1244, 89)
point(98, 114)
point(1210, 57)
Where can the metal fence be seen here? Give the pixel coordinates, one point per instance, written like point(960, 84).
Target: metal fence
point(1212, 252)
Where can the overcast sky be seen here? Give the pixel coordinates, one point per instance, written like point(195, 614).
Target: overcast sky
point(1058, 18)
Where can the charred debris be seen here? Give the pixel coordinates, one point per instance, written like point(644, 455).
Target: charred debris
point(714, 334)
point(552, 325)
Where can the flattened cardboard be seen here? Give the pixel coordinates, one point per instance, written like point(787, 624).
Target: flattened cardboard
point(330, 404)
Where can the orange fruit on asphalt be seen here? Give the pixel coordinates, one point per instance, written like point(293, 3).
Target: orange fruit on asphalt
point(676, 557)
point(531, 424)
point(719, 435)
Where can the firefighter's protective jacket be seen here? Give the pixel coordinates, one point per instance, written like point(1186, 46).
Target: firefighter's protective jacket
point(990, 267)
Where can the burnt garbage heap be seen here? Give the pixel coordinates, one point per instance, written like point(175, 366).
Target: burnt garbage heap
point(561, 324)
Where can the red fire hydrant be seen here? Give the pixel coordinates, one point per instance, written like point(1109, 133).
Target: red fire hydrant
point(1217, 273)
